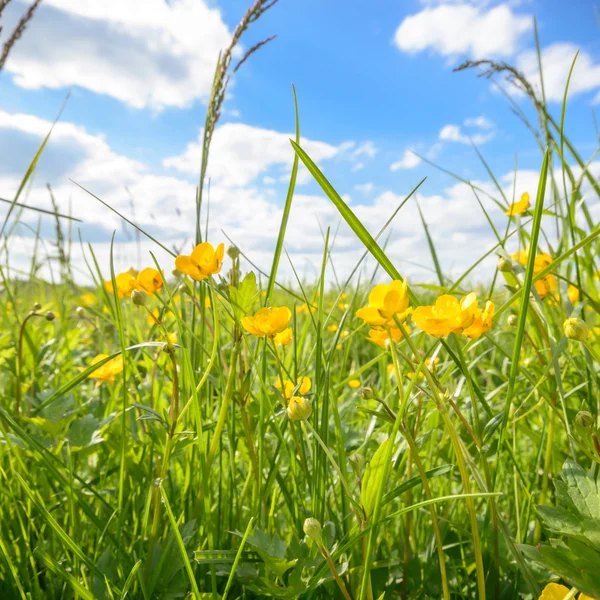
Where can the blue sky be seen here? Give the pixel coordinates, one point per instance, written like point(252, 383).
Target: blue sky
point(374, 82)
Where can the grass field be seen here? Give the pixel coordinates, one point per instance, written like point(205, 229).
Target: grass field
point(202, 429)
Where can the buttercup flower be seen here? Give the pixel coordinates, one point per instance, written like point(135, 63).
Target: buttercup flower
point(516, 208)
point(149, 280)
point(89, 299)
point(573, 293)
point(381, 338)
point(299, 408)
point(556, 591)
point(267, 321)
point(290, 386)
point(546, 285)
point(354, 384)
point(430, 364)
point(126, 283)
point(447, 315)
point(305, 308)
point(482, 321)
point(385, 302)
point(284, 338)
point(107, 371)
point(202, 262)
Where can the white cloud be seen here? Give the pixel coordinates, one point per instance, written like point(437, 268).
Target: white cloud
point(463, 30)
point(367, 149)
point(357, 167)
point(453, 133)
point(557, 59)
point(249, 214)
point(409, 160)
point(364, 188)
point(480, 122)
point(240, 152)
point(146, 53)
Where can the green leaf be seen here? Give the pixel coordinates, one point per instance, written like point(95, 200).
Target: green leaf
point(272, 550)
point(582, 489)
point(373, 479)
point(353, 221)
point(243, 297)
point(263, 542)
point(81, 432)
point(560, 520)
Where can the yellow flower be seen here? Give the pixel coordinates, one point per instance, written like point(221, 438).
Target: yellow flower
point(482, 321)
point(202, 262)
point(338, 347)
point(88, 299)
point(149, 280)
point(305, 308)
point(447, 315)
point(430, 364)
point(107, 371)
point(516, 208)
point(386, 301)
point(332, 328)
point(556, 591)
point(354, 384)
point(284, 338)
point(153, 317)
point(547, 284)
point(573, 293)
point(298, 408)
point(207, 302)
point(380, 336)
point(126, 283)
point(267, 321)
point(304, 382)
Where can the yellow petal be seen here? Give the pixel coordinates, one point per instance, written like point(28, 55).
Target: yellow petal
point(554, 591)
point(377, 295)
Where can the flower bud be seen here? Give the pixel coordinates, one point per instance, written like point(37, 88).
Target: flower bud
point(584, 418)
point(176, 273)
point(299, 408)
point(233, 252)
point(504, 265)
point(367, 393)
point(313, 530)
point(576, 329)
point(80, 311)
point(37, 306)
point(50, 316)
point(139, 297)
point(513, 320)
point(183, 289)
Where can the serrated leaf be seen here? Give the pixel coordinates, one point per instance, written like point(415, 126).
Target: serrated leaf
point(560, 520)
point(263, 542)
point(272, 550)
point(582, 489)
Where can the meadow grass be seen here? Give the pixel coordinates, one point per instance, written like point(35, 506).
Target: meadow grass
point(157, 442)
